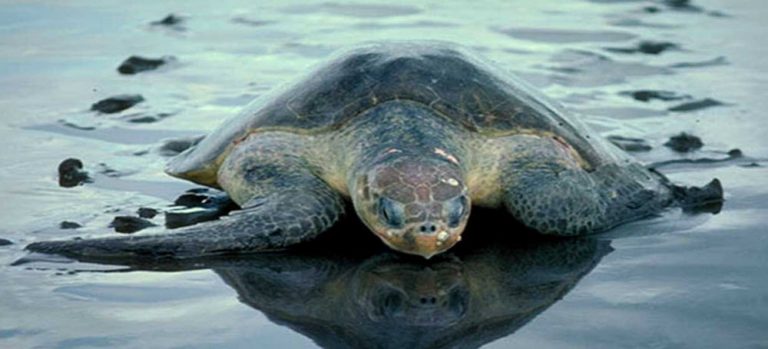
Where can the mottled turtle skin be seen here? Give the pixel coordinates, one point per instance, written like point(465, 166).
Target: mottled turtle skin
point(413, 134)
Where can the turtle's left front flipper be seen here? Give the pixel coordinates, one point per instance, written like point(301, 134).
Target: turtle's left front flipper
point(265, 223)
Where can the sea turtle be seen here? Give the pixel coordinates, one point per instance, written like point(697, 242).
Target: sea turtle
point(413, 134)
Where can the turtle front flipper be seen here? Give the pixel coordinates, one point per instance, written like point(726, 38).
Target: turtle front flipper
point(268, 223)
point(548, 187)
point(283, 203)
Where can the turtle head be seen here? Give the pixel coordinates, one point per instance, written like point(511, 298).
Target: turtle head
point(415, 205)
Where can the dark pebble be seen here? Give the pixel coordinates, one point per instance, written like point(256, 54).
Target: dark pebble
point(199, 205)
point(630, 144)
point(654, 47)
point(677, 3)
point(169, 20)
point(146, 212)
point(681, 5)
point(117, 103)
point(129, 224)
point(71, 173)
point(651, 9)
point(646, 47)
point(647, 95)
point(203, 197)
point(684, 143)
point(735, 153)
point(136, 64)
point(696, 105)
point(4, 242)
point(69, 225)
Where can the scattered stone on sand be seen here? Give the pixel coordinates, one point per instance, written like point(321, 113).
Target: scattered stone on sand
point(646, 47)
point(4, 242)
point(116, 104)
point(681, 5)
point(146, 212)
point(647, 95)
point(630, 144)
point(651, 9)
point(173, 147)
point(684, 143)
point(696, 105)
point(198, 205)
point(735, 153)
point(71, 173)
point(171, 20)
point(130, 224)
point(137, 64)
point(69, 225)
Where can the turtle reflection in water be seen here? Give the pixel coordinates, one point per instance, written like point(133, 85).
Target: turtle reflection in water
point(458, 299)
point(413, 135)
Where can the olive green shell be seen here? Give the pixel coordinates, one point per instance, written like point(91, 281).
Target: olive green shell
point(446, 77)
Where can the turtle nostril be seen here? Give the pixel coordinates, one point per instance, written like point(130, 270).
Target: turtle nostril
point(428, 228)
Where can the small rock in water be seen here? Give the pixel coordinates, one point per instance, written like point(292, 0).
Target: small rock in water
point(169, 20)
point(129, 224)
point(4, 242)
point(651, 9)
point(696, 105)
point(654, 47)
point(647, 95)
point(136, 64)
point(69, 225)
point(684, 143)
point(117, 103)
point(146, 212)
point(647, 47)
point(630, 144)
point(681, 5)
point(71, 173)
point(199, 205)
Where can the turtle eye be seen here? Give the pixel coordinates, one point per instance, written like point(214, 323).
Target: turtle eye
point(455, 210)
point(391, 212)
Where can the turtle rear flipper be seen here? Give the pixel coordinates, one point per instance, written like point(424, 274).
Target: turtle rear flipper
point(577, 202)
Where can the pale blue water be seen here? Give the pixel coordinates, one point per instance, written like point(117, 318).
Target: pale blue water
point(696, 281)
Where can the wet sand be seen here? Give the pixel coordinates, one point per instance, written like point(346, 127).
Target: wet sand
point(645, 70)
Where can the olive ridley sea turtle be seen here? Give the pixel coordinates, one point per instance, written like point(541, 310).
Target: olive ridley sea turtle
point(413, 134)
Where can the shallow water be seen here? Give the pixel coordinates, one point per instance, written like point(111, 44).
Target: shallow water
point(678, 280)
